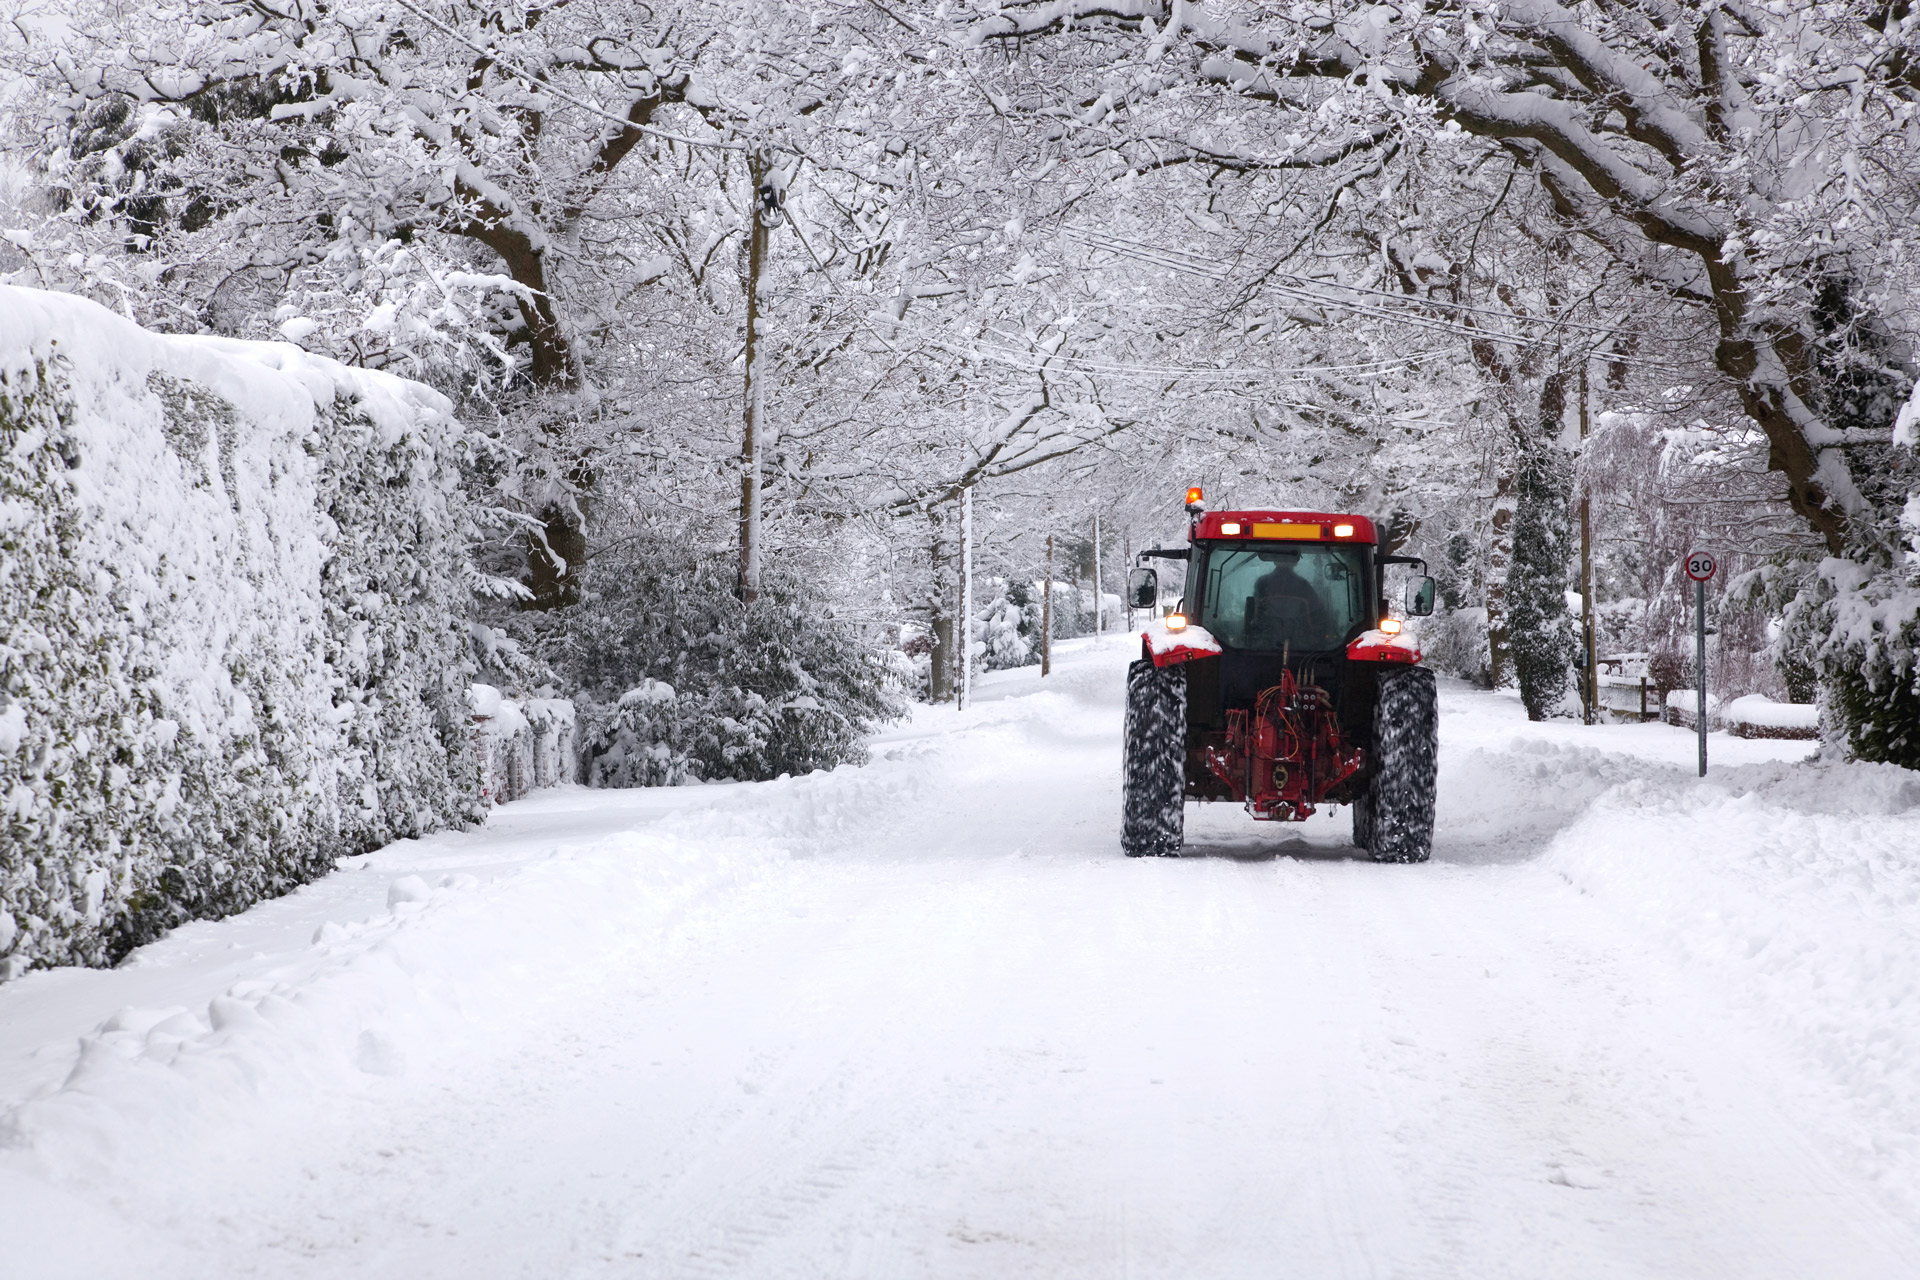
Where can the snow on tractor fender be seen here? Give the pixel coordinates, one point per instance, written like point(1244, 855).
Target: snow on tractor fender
point(1168, 646)
point(1380, 646)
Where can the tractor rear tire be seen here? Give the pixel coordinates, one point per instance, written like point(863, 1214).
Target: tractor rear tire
point(1153, 790)
point(1363, 818)
point(1406, 754)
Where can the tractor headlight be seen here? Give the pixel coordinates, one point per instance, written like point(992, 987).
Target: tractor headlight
point(1176, 622)
point(1390, 626)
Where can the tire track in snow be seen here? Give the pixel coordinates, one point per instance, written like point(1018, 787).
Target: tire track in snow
point(943, 1030)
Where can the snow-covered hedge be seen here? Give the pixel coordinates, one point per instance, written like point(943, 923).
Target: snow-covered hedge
point(230, 638)
point(1758, 716)
point(1683, 708)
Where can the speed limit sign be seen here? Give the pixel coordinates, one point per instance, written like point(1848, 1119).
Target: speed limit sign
point(1700, 567)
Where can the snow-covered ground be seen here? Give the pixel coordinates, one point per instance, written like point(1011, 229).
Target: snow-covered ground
point(921, 1019)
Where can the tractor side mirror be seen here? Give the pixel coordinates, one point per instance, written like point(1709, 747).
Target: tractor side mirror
point(1420, 597)
point(1143, 589)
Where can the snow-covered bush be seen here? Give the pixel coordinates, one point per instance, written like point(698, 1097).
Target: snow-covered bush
point(1455, 641)
point(1758, 716)
point(1861, 629)
point(775, 686)
point(637, 741)
point(1009, 626)
point(230, 636)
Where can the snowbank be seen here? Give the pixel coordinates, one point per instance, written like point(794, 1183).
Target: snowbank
point(228, 580)
point(1795, 889)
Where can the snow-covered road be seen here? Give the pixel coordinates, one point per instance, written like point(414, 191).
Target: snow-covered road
point(922, 1020)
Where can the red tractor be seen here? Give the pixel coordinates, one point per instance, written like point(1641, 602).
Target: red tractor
point(1280, 682)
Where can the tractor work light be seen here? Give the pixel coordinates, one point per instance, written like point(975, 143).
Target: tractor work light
point(1176, 622)
point(1390, 626)
point(1343, 531)
point(1230, 528)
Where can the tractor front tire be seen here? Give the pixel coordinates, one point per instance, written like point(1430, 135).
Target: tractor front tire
point(1153, 790)
point(1406, 754)
point(1363, 818)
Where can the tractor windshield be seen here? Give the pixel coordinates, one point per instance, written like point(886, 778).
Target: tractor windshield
point(1274, 597)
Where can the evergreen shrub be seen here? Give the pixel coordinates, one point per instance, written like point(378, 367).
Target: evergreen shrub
point(229, 640)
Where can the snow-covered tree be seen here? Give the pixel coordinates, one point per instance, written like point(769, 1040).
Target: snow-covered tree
point(1745, 163)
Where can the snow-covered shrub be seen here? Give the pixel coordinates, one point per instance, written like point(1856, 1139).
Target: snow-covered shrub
point(554, 723)
point(1851, 629)
point(775, 686)
point(636, 742)
point(1455, 641)
point(230, 644)
point(1682, 707)
point(1861, 628)
point(1758, 716)
point(1009, 626)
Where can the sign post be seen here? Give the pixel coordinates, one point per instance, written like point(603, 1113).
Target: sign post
point(1700, 567)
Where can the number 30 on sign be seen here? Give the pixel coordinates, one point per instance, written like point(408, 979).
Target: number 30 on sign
point(1700, 566)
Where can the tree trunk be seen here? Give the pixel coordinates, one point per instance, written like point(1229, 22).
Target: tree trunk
point(1099, 618)
point(1590, 661)
point(940, 670)
point(748, 586)
point(552, 357)
point(1499, 558)
point(556, 552)
point(1536, 594)
point(1046, 616)
point(554, 555)
point(965, 645)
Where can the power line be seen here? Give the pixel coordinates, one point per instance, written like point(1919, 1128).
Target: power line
point(1005, 352)
point(1309, 287)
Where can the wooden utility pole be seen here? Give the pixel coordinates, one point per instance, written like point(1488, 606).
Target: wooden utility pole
point(1099, 614)
point(1591, 661)
point(764, 204)
point(966, 597)
point(1046, 616)
point(942, 558)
